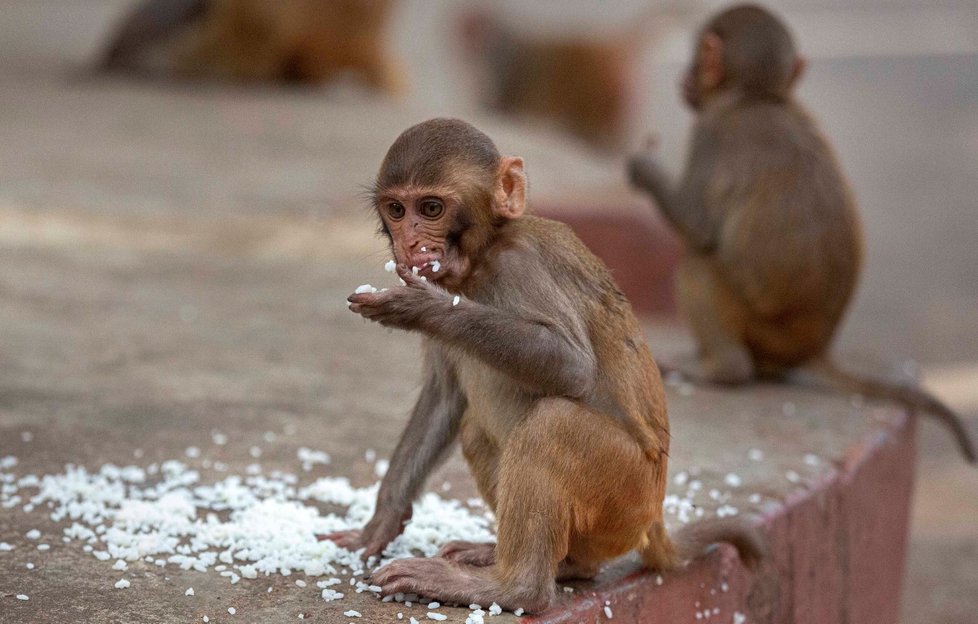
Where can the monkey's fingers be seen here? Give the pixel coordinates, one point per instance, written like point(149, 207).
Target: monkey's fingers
point(369, 304)
point(349, 540)
point(367, 298)
point(409, 277)
point(418, 575)
point(469, 553)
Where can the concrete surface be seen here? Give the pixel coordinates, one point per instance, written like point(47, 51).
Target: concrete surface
point(126, 210)
point(111, 349)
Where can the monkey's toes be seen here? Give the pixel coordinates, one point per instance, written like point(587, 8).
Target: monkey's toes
point(350, 540)
point(469, 553)
point(418, 575)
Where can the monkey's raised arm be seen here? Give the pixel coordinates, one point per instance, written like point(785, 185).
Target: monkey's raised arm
point(535, 352)
point(546, 352)
point(688, 206)
point(429, 433)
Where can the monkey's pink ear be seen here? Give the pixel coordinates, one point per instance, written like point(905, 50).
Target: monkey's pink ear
point(711, 61)
point(510, 188)
point(801, 64)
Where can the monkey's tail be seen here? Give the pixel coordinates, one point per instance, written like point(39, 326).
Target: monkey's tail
point(665, 552)
point(825, 375)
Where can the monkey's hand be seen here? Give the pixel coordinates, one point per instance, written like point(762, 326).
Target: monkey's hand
point(644, 170)
point(402, 307)
point(373, 538)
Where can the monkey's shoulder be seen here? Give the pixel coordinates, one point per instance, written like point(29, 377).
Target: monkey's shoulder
point(767, 123)
point(554, 242)
point(544, 264)
point(537, 243)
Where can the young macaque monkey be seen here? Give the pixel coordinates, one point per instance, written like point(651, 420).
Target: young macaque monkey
point(533, 358)
point(773, 237)
point(301, 41)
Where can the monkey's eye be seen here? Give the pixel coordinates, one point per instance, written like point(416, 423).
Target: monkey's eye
point(431, 208)
point(395, 210)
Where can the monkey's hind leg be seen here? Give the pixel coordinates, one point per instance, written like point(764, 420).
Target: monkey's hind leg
point(532, 533)
point(533, 507)
point(717, 319)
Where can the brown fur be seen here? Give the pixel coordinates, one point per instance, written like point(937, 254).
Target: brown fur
point(774, 241)
point(586, 85)
point(541, 369)
point(306, 41)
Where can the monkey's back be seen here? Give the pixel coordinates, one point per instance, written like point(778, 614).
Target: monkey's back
point(791, 244)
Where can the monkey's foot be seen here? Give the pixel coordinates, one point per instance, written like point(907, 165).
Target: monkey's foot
point(469, 553)
point(452, 583)
point(349, 540)
point(435, 578)
point(728, 368)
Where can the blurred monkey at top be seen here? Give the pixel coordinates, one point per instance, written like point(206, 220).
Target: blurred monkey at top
point(250, 41)
point(586, 84)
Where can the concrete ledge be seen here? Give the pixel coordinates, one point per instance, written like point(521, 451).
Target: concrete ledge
point(102, 356)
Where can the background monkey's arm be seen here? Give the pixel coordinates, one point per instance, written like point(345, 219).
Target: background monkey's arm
point(687, 205)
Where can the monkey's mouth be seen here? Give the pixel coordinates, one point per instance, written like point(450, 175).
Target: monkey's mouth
point(429, 265)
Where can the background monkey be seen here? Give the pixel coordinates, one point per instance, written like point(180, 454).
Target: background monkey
point(303, 41)
point(533, 358)
point(586, 84)
point(773, 238)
